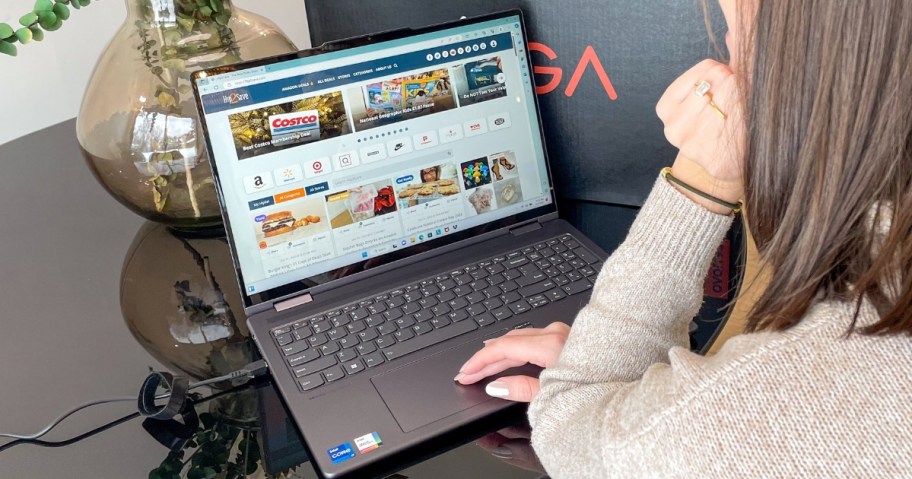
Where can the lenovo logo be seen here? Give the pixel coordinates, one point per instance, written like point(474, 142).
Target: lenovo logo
point(556, 74)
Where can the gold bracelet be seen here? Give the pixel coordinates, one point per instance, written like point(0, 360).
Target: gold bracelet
point(735, 207)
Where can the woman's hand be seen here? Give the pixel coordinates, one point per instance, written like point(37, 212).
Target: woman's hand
point(538, 346)
point(711, 147)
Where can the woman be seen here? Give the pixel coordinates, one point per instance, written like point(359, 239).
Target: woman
point(813, 116)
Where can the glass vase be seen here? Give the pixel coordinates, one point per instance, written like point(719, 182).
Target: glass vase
point(138, 126)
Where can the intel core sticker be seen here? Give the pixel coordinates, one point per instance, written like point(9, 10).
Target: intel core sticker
point(341, 453)
point(368, 442)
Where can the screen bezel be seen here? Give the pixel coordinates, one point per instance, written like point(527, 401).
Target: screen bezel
point(359, 270)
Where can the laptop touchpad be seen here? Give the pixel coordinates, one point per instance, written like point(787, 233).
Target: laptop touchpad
point(424, 391)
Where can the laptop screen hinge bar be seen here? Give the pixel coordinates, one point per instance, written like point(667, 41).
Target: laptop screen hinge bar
point(526, 228)
point(293, 302)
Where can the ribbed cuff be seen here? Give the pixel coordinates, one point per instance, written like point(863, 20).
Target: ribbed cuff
point(674, 230)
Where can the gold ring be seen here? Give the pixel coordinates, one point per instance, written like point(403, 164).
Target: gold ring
point(702, 89)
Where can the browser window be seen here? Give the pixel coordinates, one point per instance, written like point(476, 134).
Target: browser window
point(332, 161)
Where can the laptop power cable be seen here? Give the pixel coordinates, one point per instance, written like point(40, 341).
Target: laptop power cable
point(178, 392)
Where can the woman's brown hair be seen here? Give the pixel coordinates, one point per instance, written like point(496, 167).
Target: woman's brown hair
point(828, 161)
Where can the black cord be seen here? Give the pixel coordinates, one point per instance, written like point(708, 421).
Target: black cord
point(179, 389)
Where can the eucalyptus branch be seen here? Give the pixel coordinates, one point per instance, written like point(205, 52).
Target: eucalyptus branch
point(48, 15)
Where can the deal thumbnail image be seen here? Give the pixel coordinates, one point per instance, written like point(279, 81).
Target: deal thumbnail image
point(503, 165)
point(386, 102)
point(427, 184)
point(508, 192)
point(481, 200)
point(283, 224)
point(475, 173)
point(274, 128)
point(360, 204)
point(480, 81)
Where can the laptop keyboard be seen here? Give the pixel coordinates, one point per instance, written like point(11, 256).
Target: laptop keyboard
point(364, 334)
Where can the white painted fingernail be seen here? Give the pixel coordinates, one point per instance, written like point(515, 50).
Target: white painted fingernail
point(497, 389)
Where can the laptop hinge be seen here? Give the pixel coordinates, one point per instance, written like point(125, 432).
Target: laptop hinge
point(527, 228)
point(292, 302)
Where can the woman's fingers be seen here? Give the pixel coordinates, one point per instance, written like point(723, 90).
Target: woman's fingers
point(514, 388)
point(488, 370)
point(539, 349)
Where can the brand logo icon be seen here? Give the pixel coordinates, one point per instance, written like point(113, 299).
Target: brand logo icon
point(235, 98)
point(317, 166)
point(499, 121)
point(399, 146)
point(341, 453)
point(255, 183)
point(295, 122)
point(475, 126)
point(589, 58)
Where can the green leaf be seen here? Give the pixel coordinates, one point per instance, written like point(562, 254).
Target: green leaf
point(8, 48)
point(216, 5)
point(76, 5)
point(186, 23)
point(47, 19)
point(56, 26)
point(222, 18)
point(37, 34)
point(6, 31)
point(209, 472)
point(84, 3)
point(205, 11)
point(24, 35)
point(43, 5)
point(62, 11)
point(28, 19)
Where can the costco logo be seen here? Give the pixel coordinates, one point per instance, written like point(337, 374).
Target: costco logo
point(295, 122)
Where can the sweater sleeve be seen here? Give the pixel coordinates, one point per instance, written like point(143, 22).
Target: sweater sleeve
point(599, 393)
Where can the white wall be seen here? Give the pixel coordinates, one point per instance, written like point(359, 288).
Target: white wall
point(43, 85)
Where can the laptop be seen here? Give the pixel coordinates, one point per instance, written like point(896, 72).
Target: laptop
point(389, 206)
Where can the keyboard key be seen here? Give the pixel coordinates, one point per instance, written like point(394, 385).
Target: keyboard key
point(410, 308)
point(395, 301)
point(528, 249)
point(321, 327)
point(572, 244)
point(586, 255)
point(588, 271)
point(485, 319)
point(387, 328)
point(555, 295)
point(359, 313)
point(559, 248)
point(574, 276)
point(434, 337)
point(349, 308)
point(513, 254)
point(356, 327)
point(457, 316)
point(423, 315)
point(463, 290)
point(578, 263)
point(364, 303)
point(479, 274)
point(348, 342)
point(520, 307)
point(405, 322)
point(496, 279)
point(340, 320)
point(476, 297)
point(446, 285)
point(446, 296)
point(428, 302)
point(302, 334)
point(509, 286)
point(377, 308)
point(412, 296)
point(373, 359)
point(492, 292)
point(538, 288)
point(564, 268)
point(347, 355)
point(479, 285)
point(314, 366)
point(317, 339)
point(476, 309)
point(367, 335)
point(294, 348)
point(281, 331)
point(511, 297)
point(430, 290)
point(538, 301)
point(501, 314)
point(492, 303)
point(385, 341)
point(337, 333)
point(577, 287)
point(353, 367)
point(440, 322)
point(300, 324)
point(392, 314)
point(533, 278)
point(329, 348)
point(422, 328)
point(458, 303)
point(366, 348)
point(462, 279)
point(516, 262)
point(333, 314)
point(441, 309)
point(374, 321)
point(310, 382)
point(404, 335)
point(561, 280)
point(528, 269)
point(334, 373)
point(285, 339)
point(305, 357)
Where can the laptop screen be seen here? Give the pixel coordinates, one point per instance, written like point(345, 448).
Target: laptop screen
point(372, 152)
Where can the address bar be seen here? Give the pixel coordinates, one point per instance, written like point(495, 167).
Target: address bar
point(244, 82)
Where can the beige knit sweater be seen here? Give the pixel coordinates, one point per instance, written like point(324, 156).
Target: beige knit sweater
point(627, 399)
